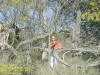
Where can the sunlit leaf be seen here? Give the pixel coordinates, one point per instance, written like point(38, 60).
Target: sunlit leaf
point(83, 16)
point(97, 17)
point(93, 3)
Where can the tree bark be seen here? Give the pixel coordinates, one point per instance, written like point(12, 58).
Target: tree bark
point(44, 16)
point(76, 30)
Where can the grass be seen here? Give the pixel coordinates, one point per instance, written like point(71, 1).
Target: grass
point(43, 67)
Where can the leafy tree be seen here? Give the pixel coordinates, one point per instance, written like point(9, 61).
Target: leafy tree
point(92, 12)
point(91, 19)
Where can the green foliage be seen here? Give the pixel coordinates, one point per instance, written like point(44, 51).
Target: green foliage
point(13, 40)
point(22, 19)
point(92, 11)
point(40, 7)
point(16, 2)
point(29, 4)
point(86, 56)
point(3, 4)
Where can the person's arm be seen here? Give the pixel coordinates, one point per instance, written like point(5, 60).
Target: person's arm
point(52, 46)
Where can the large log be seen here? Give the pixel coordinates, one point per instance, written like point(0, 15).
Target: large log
point(80, 50)
point(33, 39)
point(12, 49)
point(93, 64)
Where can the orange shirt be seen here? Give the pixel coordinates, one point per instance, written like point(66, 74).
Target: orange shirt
point(56, 45)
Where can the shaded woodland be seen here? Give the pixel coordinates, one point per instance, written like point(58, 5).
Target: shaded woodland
point(27, 25)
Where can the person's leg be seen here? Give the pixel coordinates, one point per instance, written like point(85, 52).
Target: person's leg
point(51, 60)
point(55, 58)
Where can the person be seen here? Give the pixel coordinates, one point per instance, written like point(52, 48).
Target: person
point(53, 54)
point(55, 44)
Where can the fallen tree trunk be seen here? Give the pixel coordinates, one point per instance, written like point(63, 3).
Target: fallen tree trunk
point(34, 38)
point(97, 63)
point(31, 40)
point(65, 63)
point(13, 50)
point(79, 49)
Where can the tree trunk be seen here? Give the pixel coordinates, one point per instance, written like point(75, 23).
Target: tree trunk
point(44, 16)
point(76, 30)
